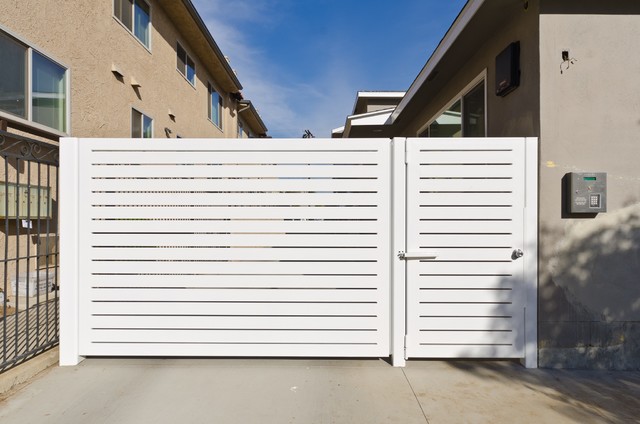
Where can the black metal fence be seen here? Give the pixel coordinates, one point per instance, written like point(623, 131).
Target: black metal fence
point(29, 303)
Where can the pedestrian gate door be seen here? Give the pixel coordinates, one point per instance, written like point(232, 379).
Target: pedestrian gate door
point(465, 242)
point(298, 248)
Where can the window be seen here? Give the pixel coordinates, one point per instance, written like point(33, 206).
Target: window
point(465, 117)
point(135, 15)
point(44, 100)
point(141, 125)
point(185, 65)
point(240, 129)
point(215, 107)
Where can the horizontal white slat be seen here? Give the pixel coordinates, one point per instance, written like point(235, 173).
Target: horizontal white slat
point(300, 349)
point(254, 240)
point(231, 185)
point(466, 171)
point(429, 268)
point(466, 337)
point(457, 296)
point(229, 323)
point(465, 309)
point(273, 226)
point(464, 185)
point(464, 351)
point(462, 144)
point(196, 146)
point(463, 157)
point(243, 279)
point(233, 295)
point(228, 171)
point(234, 267)
point(251, 256)
point(230, 199)
point(302, 213)
point(433, 241)
point(234, 336)
point(463, 227)
point(474, 199)
point(465, 213)
point(346, 309)
point(463, 282)
point(463, 323)
point(236, 157)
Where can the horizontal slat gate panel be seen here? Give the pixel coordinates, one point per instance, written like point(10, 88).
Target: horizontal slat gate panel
point(464, 205)
point(227, 248)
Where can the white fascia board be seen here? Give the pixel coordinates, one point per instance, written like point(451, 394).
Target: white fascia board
point(461, 22)
point(372, 118)
point(337, 130)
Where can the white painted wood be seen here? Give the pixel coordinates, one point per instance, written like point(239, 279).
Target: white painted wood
point(465, 203)
point(69, 264)
point(224, 248)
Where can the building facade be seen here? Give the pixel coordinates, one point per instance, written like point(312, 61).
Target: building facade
point(121, 68)
point(575, 87)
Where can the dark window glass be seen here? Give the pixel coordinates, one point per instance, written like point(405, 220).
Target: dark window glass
point(449, 124)
point(142, 20)
point(13, 71)
point(123, 10)
point(474, 112)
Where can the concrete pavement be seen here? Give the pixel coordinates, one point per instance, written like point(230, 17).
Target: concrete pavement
point(320, 391)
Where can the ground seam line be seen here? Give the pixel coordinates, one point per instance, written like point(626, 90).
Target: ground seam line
point(416, 396)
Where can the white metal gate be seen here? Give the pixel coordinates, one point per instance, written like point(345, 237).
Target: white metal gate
point(251, 248)
point(289, 248)
point(465, 242)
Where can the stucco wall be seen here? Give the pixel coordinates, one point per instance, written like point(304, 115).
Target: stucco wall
point(590, 121)
point(517, 113)
point(87, 38)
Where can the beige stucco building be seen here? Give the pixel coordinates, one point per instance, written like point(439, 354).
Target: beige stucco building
point(122, 68)
point(578, 93)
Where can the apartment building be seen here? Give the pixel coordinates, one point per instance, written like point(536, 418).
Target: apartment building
point(121, 68)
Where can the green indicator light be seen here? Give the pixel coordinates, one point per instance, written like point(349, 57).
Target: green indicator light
point(589, 178)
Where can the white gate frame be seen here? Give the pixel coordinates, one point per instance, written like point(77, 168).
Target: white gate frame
point(399, 242)
point(69, 246)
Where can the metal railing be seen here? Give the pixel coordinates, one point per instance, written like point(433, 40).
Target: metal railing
point(29, 303)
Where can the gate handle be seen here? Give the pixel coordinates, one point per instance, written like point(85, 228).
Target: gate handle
point(405, 256)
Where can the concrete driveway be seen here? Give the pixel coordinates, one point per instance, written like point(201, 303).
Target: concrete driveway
point(320, 391)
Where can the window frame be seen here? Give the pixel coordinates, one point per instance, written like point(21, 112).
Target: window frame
point(132, 30)
point(210, 88)
point(240, 132)
point(186, 64)
point(143, 115)
point(459, 97)
point(28, 121)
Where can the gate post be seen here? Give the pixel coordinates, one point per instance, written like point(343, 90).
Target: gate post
point(398, 243)
point(69, 275)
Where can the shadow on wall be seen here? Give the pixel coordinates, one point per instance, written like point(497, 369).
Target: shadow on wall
point(589, 304)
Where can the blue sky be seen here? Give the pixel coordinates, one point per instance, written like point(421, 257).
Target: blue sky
point(302, 61)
